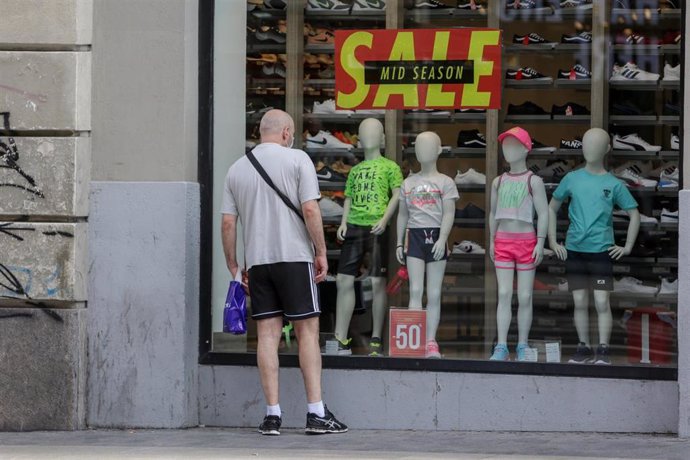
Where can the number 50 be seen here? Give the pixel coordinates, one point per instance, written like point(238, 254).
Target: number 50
point(408, 335)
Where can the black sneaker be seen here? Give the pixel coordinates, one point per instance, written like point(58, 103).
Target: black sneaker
point(471, 211)
point(578, 72)
point(571, 144)
point(375, 347)
point(327, 174)
point(525, 73)
point(626, 108)
point(270, 426)
point(471, 139)
point(583, 355)
point(569, 109)
point(526, 108)
point(323, 425)
point(671, 109)
point(578, 39)
point(602, 355)
point(530, 39)
point(344, 348)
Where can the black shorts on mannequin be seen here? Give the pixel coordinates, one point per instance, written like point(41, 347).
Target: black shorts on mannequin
point(420, 241)
point(586, 270)
point(284, 289)
point(360, 243)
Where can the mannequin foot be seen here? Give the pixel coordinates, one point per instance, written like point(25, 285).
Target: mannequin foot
point(501, 353)
point(344, 347)
point(602, 355)
point(375, 347)
point(520, 351)
point(432, 350)
point(583, 355)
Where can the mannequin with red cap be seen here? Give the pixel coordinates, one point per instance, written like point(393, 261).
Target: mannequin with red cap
point(514, 245)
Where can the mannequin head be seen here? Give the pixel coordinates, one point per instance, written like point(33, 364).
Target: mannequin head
point(516, 144)
point(595, 145)
point(371, 134)
point(427, 148)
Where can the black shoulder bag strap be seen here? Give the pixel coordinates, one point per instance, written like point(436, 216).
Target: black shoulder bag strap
point(264, 175)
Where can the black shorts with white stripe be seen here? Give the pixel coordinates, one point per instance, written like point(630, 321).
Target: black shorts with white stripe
point(283, 289)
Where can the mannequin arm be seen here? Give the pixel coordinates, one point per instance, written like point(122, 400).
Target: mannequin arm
point(492, 217)
point(440, 247)
point(380, 227)
point(559, 249)
point(342, 230)
point(541, 206)
point(616, 252)
point(403, 216)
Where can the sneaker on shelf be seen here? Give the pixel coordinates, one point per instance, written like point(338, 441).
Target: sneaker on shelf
point(633, 179)
point(620, 213)
point(526, 108)
point(630, 71)
point(369, 5)
point(633, 285)
point(370, 112)
point(640, 167)
point(666, 167)
point(583, 354)
point(671, 73)
point(270, 426)
point(531, 39)
point(432, 350)
point(471, 211)
point(627, 108)
point(669, 179)
point(581, 38)
point(375, 347)
point(326, 74)
point(668, 217)
point(536, 145)
point(525, 73)
point(563, 285)
point(522, 5)
point(324, 425)
point(577, 72)
point(325, 140)
point(429, 5)
point(274, 70)
point(675, 142)
point(328, 107)
point(275, 4)
point(632, 38)
point(471, 139)
point(671, 109)
point(672, 37)
point(500, 353)
point(272, 34)
point(330, 208)
point(520, 352)
point(579, 4)
point(326, 174)
point(470, 5)
point(321, 36)
point(569, 109)
point(340, 167)
point(466, 111)
point(602, 356)
point(633, 142)
point(470, 177)
point(468, 247)
point(557, 169)
point(668, 287)
point(570, 144)
point(327, 5)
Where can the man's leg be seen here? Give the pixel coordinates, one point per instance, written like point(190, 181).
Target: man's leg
point(307, 331)
point(269, 333)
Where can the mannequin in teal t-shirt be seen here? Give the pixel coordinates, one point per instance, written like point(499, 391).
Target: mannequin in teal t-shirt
point(590, 247)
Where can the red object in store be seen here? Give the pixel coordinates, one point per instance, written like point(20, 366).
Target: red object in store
point(650, 335)
point(396, 283)
point(407, 333)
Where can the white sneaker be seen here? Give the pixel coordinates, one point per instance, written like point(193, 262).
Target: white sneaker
point(631, 284)
point(632, 179)
point(468, 247)
point(556, 169)
point(563, 285)
point(328, 107)
point(370, 112)
point(675, 142)
point(327, 5)
point(640, 167)
point(668, 287)
point(630, 71)
point(633, 142)
point(668, 217)
point(330, 208)
point(369, 5)
point(325, 140)
point(470, 177)
point(671, 73)
point(669, 178)
point(666, 167)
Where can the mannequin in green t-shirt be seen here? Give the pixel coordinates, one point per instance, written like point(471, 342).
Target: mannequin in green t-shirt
point(371, 199)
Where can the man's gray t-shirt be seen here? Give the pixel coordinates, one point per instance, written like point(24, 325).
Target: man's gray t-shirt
point(272, 232)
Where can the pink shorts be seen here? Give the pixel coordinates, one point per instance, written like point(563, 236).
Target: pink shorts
point(513, 251)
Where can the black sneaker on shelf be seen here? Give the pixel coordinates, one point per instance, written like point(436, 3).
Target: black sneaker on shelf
point(328, 175)
point(375, 347)
point(324, 425)
point(471, 139)
point(569, 109)
point(626, 108)
point(536, 145)
point(270, 426)
point(583, 355)
point(578, 72)
point(270, 34)
point(583, 38)
point(471, 211)
point(602, 355)
point(530, 39)
point(571, 144)
point(526, 108)
point(525, 73)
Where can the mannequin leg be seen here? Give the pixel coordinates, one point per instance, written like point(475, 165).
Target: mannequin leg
point(345, 305)
point(434, 285)
point(379, 305)
point(504, 314)
point(603, 306)
point(525, 287)
point(415, 269)
point(581, 314)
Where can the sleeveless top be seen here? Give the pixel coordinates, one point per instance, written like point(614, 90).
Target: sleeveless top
point(515, 197)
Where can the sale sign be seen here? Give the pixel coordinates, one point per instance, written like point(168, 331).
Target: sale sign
point(407, 333)
point(418, 68)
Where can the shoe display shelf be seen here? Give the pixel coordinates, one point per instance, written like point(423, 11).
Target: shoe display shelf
point(549, 48)
point(455, 152)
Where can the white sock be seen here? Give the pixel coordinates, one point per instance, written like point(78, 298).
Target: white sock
point(273, 410)
point(316, 408)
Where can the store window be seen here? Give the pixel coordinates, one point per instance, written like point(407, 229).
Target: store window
point(567, 67)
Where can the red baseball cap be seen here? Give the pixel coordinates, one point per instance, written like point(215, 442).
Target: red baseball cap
point(519, 134)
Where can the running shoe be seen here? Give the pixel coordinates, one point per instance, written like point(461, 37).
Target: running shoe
point(468, 247)
point(633, 285)
point(470, 177)
point(668, 217)
point(669, 179)
point(470, 5)
point(555, 170)
point(578, 72)
point(272, 34)
point(627, 108)
point(321, 36)
point(429, 5)
point(632, 179)
point(522, 5)
point(324, 425)
point(520, 352)
point(583, 355)
point(274, 70)
point(327, 107)
point(432, 350)
point(344, 348)
point(526, 108)
point(602, 356)
point(571, 144)
point(639, 167)
point(326, 174)
point(630, 71)
point(327, 5)
point(633, 142)
point(578, 39)
point(369, 5)
point(666, 167)
point(325, 140)
point(330, 208)
point(668, 286)
point(675, 142)
point(531, 39)
point(569, 109)
point(579, 4)
point(270, 426)
point(375, 347)
point(471, 139)
point(671, 73)
point(500, 353)
point(525, 73)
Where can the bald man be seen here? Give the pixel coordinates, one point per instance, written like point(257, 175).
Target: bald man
point(285, 253)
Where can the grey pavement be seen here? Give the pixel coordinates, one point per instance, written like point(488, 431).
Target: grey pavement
point(219, 443)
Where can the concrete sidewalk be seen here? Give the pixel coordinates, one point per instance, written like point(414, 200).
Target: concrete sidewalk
point(218, 443)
